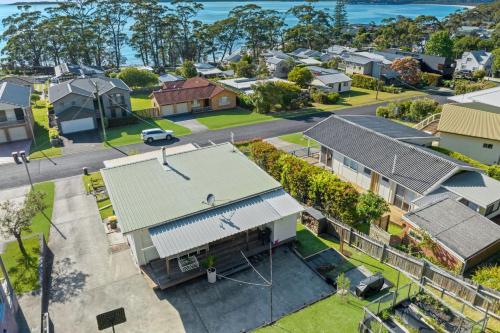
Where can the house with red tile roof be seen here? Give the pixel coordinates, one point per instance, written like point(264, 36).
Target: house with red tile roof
point(192, 95)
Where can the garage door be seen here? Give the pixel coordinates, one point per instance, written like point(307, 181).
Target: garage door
point(77, 125)
point(181, 108)
point(3, 137)
point(18, 133)
point(167, 110)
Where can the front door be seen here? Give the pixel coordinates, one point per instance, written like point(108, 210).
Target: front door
point(374, 182)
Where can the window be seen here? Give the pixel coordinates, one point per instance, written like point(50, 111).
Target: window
point(385, 180)
point(487, 145)
point(350, 164)
point(19, 114)
point(3, 116)
point(224, 100)
point(367, 171)
point(346, 84)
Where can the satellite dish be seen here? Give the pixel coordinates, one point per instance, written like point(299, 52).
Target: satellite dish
point(211, 199)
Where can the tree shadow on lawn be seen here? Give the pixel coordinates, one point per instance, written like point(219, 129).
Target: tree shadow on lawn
point(66, 282)
point(24, 275)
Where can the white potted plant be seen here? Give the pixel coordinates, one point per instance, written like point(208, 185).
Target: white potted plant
point(211, 272)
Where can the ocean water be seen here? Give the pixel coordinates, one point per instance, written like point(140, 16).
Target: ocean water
point(358, 13)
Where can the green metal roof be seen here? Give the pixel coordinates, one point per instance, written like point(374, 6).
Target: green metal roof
point(147, 193)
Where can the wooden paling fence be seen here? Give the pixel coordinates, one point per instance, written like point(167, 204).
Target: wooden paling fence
point(474, 295)
point(149, 113)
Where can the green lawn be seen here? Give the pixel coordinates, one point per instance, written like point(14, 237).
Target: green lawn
point(41, 146)
point(41, 222)
point(394, 229)
point(126, 135)
point(360, 96)
point(299, 139)
point(23, 272)
point(140, 101)
point(240, 117)
point(95, 178)
point(403, 122)
point(332, 313)
point(308, 243)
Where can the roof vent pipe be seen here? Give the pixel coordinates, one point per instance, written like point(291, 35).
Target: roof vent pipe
point(394, 164)
point(164, 155)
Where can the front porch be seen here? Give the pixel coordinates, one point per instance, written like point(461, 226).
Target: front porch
point(166, 273)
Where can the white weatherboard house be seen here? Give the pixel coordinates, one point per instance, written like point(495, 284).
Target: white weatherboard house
point(178, 209)
point(396, 162)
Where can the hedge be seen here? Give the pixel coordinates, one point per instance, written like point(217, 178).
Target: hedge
point(365, 82)
point(392, 89)
point(492, 170)
point(307, 183)
point(322, 97)
point(464, 86)
point(116, 122)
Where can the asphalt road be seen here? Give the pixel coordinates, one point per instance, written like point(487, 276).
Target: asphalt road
point(12, 175)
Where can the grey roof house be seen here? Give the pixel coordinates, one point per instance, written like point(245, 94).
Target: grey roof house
point(394, 161)
point(175, 211)
point(64, 72)
point(334, 82)
point(76, 106)
point(429, 63)
point(278, 63)
point(16, 118)
point(465, 237)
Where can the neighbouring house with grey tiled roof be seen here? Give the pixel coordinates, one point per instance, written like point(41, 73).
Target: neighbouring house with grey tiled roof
point(175, 211)
point(278, 63)
point(76, 107)
point(464, 237)
point(395, 161)
point(65, 72)
point(16, 118)
point(474, 60)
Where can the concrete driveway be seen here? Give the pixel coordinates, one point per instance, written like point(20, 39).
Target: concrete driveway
point(87, 280)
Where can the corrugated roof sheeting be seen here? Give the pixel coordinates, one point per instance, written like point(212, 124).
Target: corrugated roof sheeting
point(468, 120)
point(191, 232)
point(474, 186)
point(146, 193)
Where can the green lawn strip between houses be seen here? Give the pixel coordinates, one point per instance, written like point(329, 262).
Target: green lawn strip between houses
point(299, 139)
point(360, 96)
point(240, 117)
point(332, 312)
point(40, 146)
point(140, 102)
point(23, 272)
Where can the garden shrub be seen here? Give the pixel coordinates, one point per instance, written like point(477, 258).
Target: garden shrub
point(383, 111)
point(365, 82)
point(322, 97)
point(245, 101)
point(392, 89)
point(135, 77)
point(430, 79)
point(307, 183)
point(465, 86)
point(488, 276)
point(422, 108)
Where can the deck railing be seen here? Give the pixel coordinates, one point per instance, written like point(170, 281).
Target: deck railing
point(429, 120)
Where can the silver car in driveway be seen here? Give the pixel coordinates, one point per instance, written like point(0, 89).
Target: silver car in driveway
point(153, 134)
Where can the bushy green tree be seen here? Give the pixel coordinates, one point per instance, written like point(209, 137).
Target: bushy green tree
point(301, 76)
point(440, 44)
point(371, 207)
point(496, 60)
point(135, 77)
point(243, 68)
point(422, 108)
point(188, 69)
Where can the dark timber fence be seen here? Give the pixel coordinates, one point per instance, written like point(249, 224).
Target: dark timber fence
point(477, 296)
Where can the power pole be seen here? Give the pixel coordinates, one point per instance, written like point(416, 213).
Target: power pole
point(100, 110)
